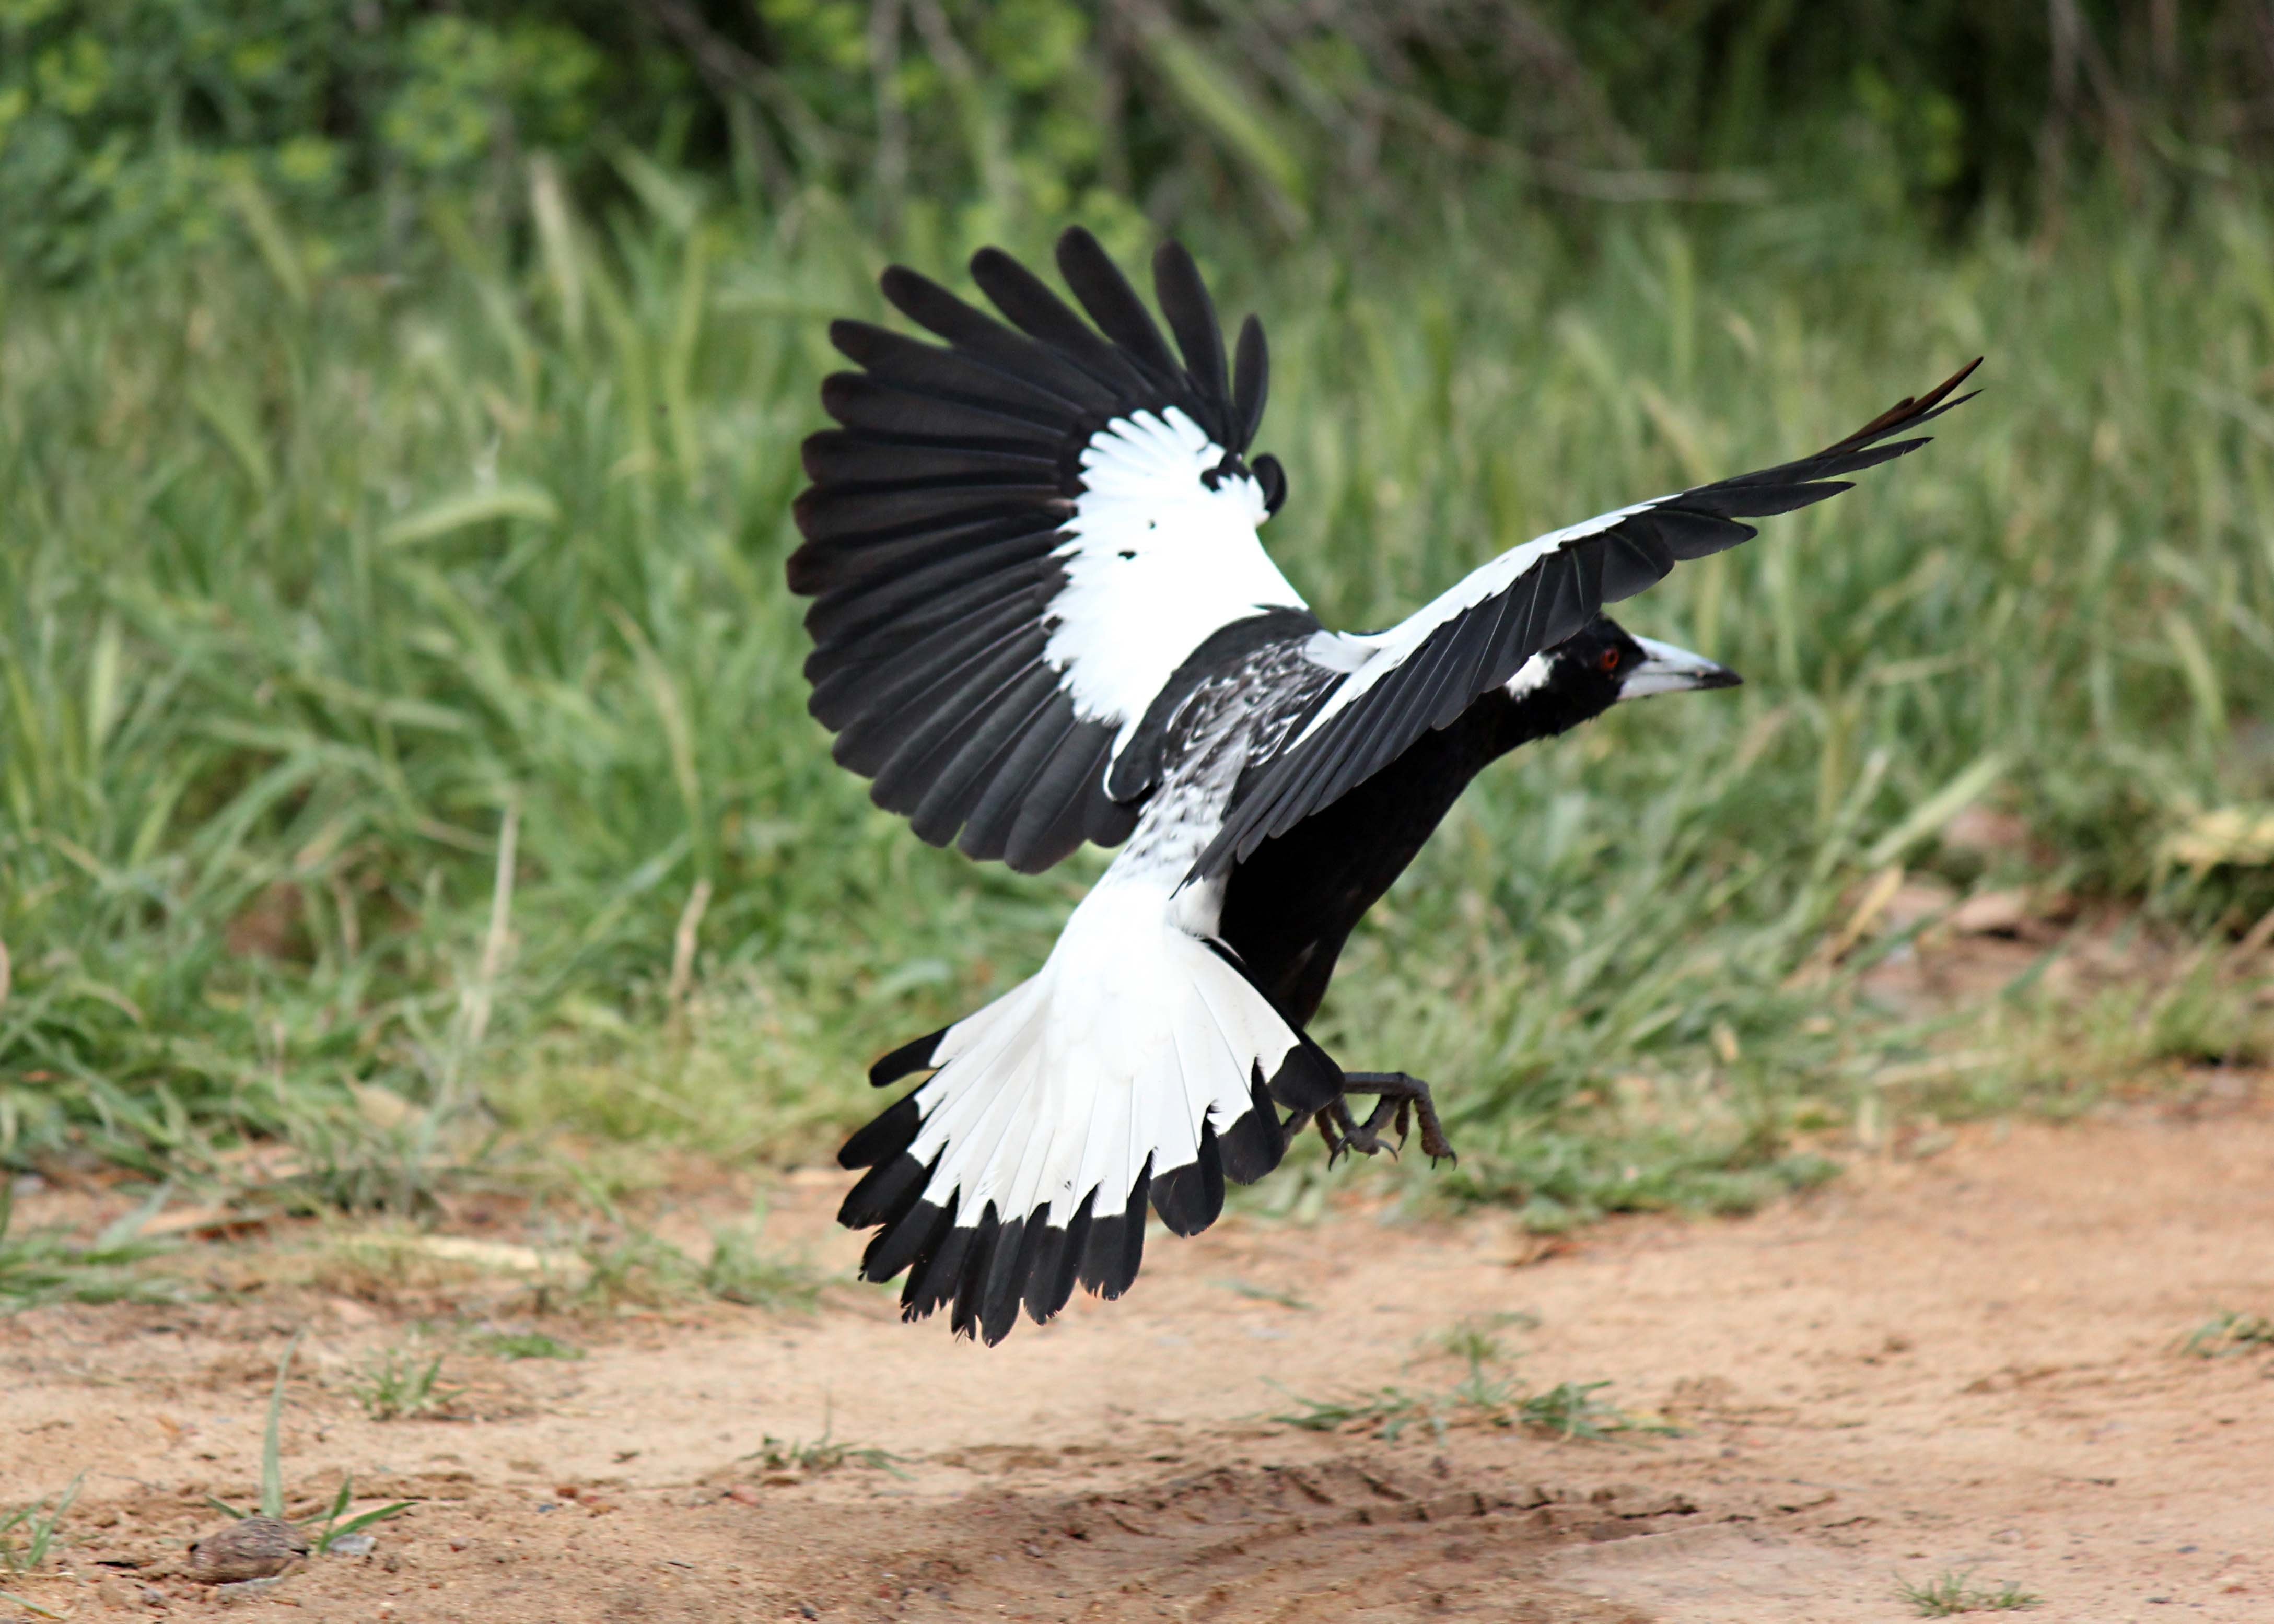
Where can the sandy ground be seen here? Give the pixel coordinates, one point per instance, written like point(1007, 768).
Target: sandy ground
point(1969, 1363)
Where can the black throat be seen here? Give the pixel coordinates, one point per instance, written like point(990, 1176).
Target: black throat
point(1288, 909)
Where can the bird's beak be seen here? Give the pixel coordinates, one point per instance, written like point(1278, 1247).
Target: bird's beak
point(1666, 669)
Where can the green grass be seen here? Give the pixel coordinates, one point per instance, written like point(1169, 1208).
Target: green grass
point(823, 1455)
point(526, 1345)
point(633, 1267)
point(1569, 1409)
point(2227, 1334)
point(1266, 1294)
point(738, 1272)
point(400, 1383)
point(1949, 1594)
point(402, 741)
point(49, 1266)
point(28, 1534)
point(337, 1523)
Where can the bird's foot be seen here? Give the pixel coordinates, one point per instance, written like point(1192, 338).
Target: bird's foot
point(1402, 1103)
point(1345, 1133)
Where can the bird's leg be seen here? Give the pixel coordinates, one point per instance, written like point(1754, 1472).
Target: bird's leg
point(1400, 1100)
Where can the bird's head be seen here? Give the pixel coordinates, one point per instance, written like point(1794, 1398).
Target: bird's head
point(1602, 664)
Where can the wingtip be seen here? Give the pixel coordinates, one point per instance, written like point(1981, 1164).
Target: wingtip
point(1939, 393)
point(1954, 381)
point(894, 281)
point(1909, 411)
point(1077, 246)
point(1168, 251)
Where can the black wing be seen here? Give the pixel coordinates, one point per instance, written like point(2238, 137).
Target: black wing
point(1426, 670)
point(1016, 541)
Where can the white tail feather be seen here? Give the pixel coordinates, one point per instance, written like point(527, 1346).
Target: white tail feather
point(1065, 1084)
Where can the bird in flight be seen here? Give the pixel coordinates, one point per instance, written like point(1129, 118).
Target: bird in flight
point(1042, 616)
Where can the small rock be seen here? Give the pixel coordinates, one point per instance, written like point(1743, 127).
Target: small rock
point(153, 1597)
point(1979, 829)
point(1992, 914)
point(743, 1494)
point(350, 1545)
point(254, 1548)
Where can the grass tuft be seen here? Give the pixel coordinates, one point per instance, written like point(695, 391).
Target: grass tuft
point(825, 1454)
point(401, 1383)
point(1266, 1294)
point(526, 1345)
point(738, 1272)
point(337, 1524)
point(1950, 1593)
point(2227, 1334)
point(29, 1534)
point(47, 1265)
point(632, 1265)
point(1568, 1409)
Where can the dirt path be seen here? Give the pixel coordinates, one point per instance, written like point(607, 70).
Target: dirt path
point(1971, 1362)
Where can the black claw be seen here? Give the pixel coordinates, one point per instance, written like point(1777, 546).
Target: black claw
point(1404, 1101)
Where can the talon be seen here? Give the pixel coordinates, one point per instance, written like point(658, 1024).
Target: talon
point(1404, 1101)
point(1357, 1136)
point(1376, 1120)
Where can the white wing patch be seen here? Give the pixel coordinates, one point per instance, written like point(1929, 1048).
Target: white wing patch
point(1388, 650)
point(1155, 562)
point(1532, 675)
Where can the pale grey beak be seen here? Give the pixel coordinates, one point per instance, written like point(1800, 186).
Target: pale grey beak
point(1666, 669)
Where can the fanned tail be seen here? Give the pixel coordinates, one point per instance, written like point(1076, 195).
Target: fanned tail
point(1139, 1065)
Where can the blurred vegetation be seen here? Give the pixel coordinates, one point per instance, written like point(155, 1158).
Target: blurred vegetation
point(128, 127)
point(402, 732)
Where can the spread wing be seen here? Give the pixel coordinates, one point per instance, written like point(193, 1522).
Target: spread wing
point(1016, 541)
point(1426, 670)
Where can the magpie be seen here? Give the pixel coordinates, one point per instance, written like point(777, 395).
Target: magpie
point(1042, 616)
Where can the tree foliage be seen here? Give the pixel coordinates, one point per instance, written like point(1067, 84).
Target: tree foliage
point(126, 124)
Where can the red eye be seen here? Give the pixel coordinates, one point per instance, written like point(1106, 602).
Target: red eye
point(1609, 659)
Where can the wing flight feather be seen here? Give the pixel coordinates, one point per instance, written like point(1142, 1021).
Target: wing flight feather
point(1424, 671)
point(1016, 539)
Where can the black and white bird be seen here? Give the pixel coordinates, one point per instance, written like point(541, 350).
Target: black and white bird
point(1042, 616)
